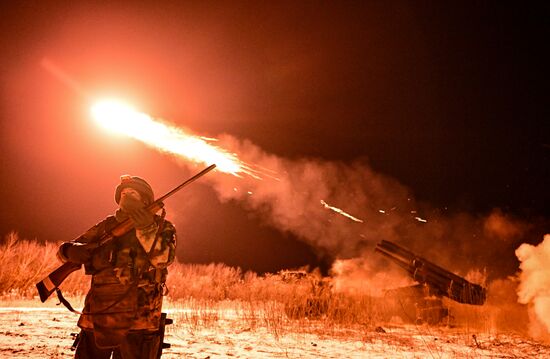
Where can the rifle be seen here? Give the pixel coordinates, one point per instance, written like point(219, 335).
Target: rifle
point(162, 328)
point(438, 279)
point(49, 284)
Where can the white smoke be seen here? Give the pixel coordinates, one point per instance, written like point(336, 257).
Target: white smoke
point(359, 276)
point(501, 227)
point(534, 288)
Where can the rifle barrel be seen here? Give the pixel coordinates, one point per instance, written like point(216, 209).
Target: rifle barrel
point(195, 177)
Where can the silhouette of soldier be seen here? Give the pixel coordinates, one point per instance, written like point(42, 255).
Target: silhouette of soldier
point(122, 309)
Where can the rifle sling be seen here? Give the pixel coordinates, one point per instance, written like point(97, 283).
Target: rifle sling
point(68, 305)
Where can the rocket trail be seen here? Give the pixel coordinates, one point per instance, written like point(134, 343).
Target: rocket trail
point(123, 119)
point(339, 211)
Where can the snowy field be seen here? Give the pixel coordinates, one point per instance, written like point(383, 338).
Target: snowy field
point(31, 330)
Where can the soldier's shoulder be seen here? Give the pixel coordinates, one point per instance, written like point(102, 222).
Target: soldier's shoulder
point(166, 224)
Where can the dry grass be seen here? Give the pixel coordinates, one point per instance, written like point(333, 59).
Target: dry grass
point(203, 296)
point(24, 263)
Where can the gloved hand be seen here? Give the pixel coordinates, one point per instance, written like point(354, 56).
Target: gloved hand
point(142, 218)
point(129, 204)
point(135, 209)
point(77, 253)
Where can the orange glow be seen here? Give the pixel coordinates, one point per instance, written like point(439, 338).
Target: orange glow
point(122, 118)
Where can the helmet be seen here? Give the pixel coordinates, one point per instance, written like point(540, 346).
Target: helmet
point(137, 183)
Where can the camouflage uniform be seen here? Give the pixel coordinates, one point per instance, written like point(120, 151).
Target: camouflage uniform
point(122, 309)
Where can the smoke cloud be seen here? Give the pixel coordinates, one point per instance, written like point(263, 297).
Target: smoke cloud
point(501, 227)
point(534, 288)
point(360, 276)
point(296, 196)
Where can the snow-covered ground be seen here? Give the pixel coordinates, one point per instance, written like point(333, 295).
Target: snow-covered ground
point(31, 330)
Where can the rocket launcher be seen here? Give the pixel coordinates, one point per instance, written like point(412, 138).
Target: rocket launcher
point(441, 281)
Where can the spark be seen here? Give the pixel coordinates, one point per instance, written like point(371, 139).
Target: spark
point(338, 210)
point(210, 139)
point(124, 119)
point(382, 211)
point(420, 219)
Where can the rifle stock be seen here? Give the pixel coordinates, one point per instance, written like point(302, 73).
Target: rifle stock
point(49, 284)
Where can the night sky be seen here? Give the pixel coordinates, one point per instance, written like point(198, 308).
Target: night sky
point(449, 101)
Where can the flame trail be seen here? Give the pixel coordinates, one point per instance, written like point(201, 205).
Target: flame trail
point(124, 119)
point(338, 210)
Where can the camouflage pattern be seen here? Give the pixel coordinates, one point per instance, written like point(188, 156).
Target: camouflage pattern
point(127, 282)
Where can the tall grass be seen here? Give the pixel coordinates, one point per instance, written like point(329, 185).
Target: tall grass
point(274, 301)
point(25, 262)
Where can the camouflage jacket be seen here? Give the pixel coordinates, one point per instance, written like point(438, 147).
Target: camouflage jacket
point(128, 276)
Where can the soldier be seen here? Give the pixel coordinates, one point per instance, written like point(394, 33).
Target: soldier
point(122, 310)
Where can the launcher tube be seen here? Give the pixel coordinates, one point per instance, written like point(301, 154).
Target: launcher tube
point(425, 272)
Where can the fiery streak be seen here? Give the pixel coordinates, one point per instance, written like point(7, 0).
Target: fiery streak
point(338, 210)
point(121, 118)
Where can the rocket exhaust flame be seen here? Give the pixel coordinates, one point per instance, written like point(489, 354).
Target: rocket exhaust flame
point(124, 119)
point(338, 210)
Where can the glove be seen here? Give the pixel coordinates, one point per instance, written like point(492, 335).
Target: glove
point(135, 209)
point(77, 253)
point(129, 204)
point(142, 218)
